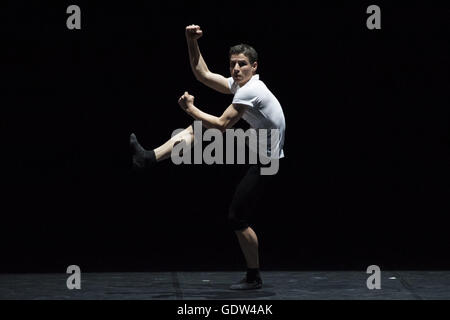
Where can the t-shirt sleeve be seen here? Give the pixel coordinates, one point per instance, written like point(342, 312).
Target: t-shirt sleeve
point(246, 95)
point(232, 85)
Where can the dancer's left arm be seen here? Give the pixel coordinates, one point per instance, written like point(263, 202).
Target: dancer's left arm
point(227, 120)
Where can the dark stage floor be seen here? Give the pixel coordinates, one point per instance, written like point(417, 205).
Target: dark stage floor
point(278, 285)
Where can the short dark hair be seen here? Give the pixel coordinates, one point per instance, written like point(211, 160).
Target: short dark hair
point(245, 49)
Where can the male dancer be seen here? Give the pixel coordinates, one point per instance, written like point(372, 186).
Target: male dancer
point(254, 103)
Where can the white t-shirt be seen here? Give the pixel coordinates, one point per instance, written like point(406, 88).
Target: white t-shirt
point(263, 112)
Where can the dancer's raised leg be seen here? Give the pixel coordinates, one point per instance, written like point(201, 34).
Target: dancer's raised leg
point(146, 158)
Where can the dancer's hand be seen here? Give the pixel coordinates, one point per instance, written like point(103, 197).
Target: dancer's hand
point(186, 102)
point(193, 32)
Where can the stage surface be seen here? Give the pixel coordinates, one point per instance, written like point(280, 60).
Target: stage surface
point(278, 285)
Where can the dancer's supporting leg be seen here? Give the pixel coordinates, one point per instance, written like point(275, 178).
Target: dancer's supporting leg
point(248, 242)
point(248, 192)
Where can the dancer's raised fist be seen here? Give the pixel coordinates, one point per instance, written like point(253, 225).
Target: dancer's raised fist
point(193, 32)
point(186, 101)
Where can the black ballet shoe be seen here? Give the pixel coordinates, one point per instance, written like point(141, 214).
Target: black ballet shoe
point(247, 285)
point(142, 159)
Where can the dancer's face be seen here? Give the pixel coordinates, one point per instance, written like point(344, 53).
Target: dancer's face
point(240, 68)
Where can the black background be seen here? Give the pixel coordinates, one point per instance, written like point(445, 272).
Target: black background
point(365, 179)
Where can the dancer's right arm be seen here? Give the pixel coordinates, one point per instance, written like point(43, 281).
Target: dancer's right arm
point(198, 65)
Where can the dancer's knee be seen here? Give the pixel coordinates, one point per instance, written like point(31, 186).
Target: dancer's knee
point(235, 220)
point(187, 135)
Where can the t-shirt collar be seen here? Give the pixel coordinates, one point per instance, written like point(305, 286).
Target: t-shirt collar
point(254, 77)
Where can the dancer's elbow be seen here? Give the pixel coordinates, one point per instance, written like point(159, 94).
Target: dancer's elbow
point(222, 124)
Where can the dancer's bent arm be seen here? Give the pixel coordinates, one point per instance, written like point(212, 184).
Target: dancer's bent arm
point(198, 65)
point(230, 116)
